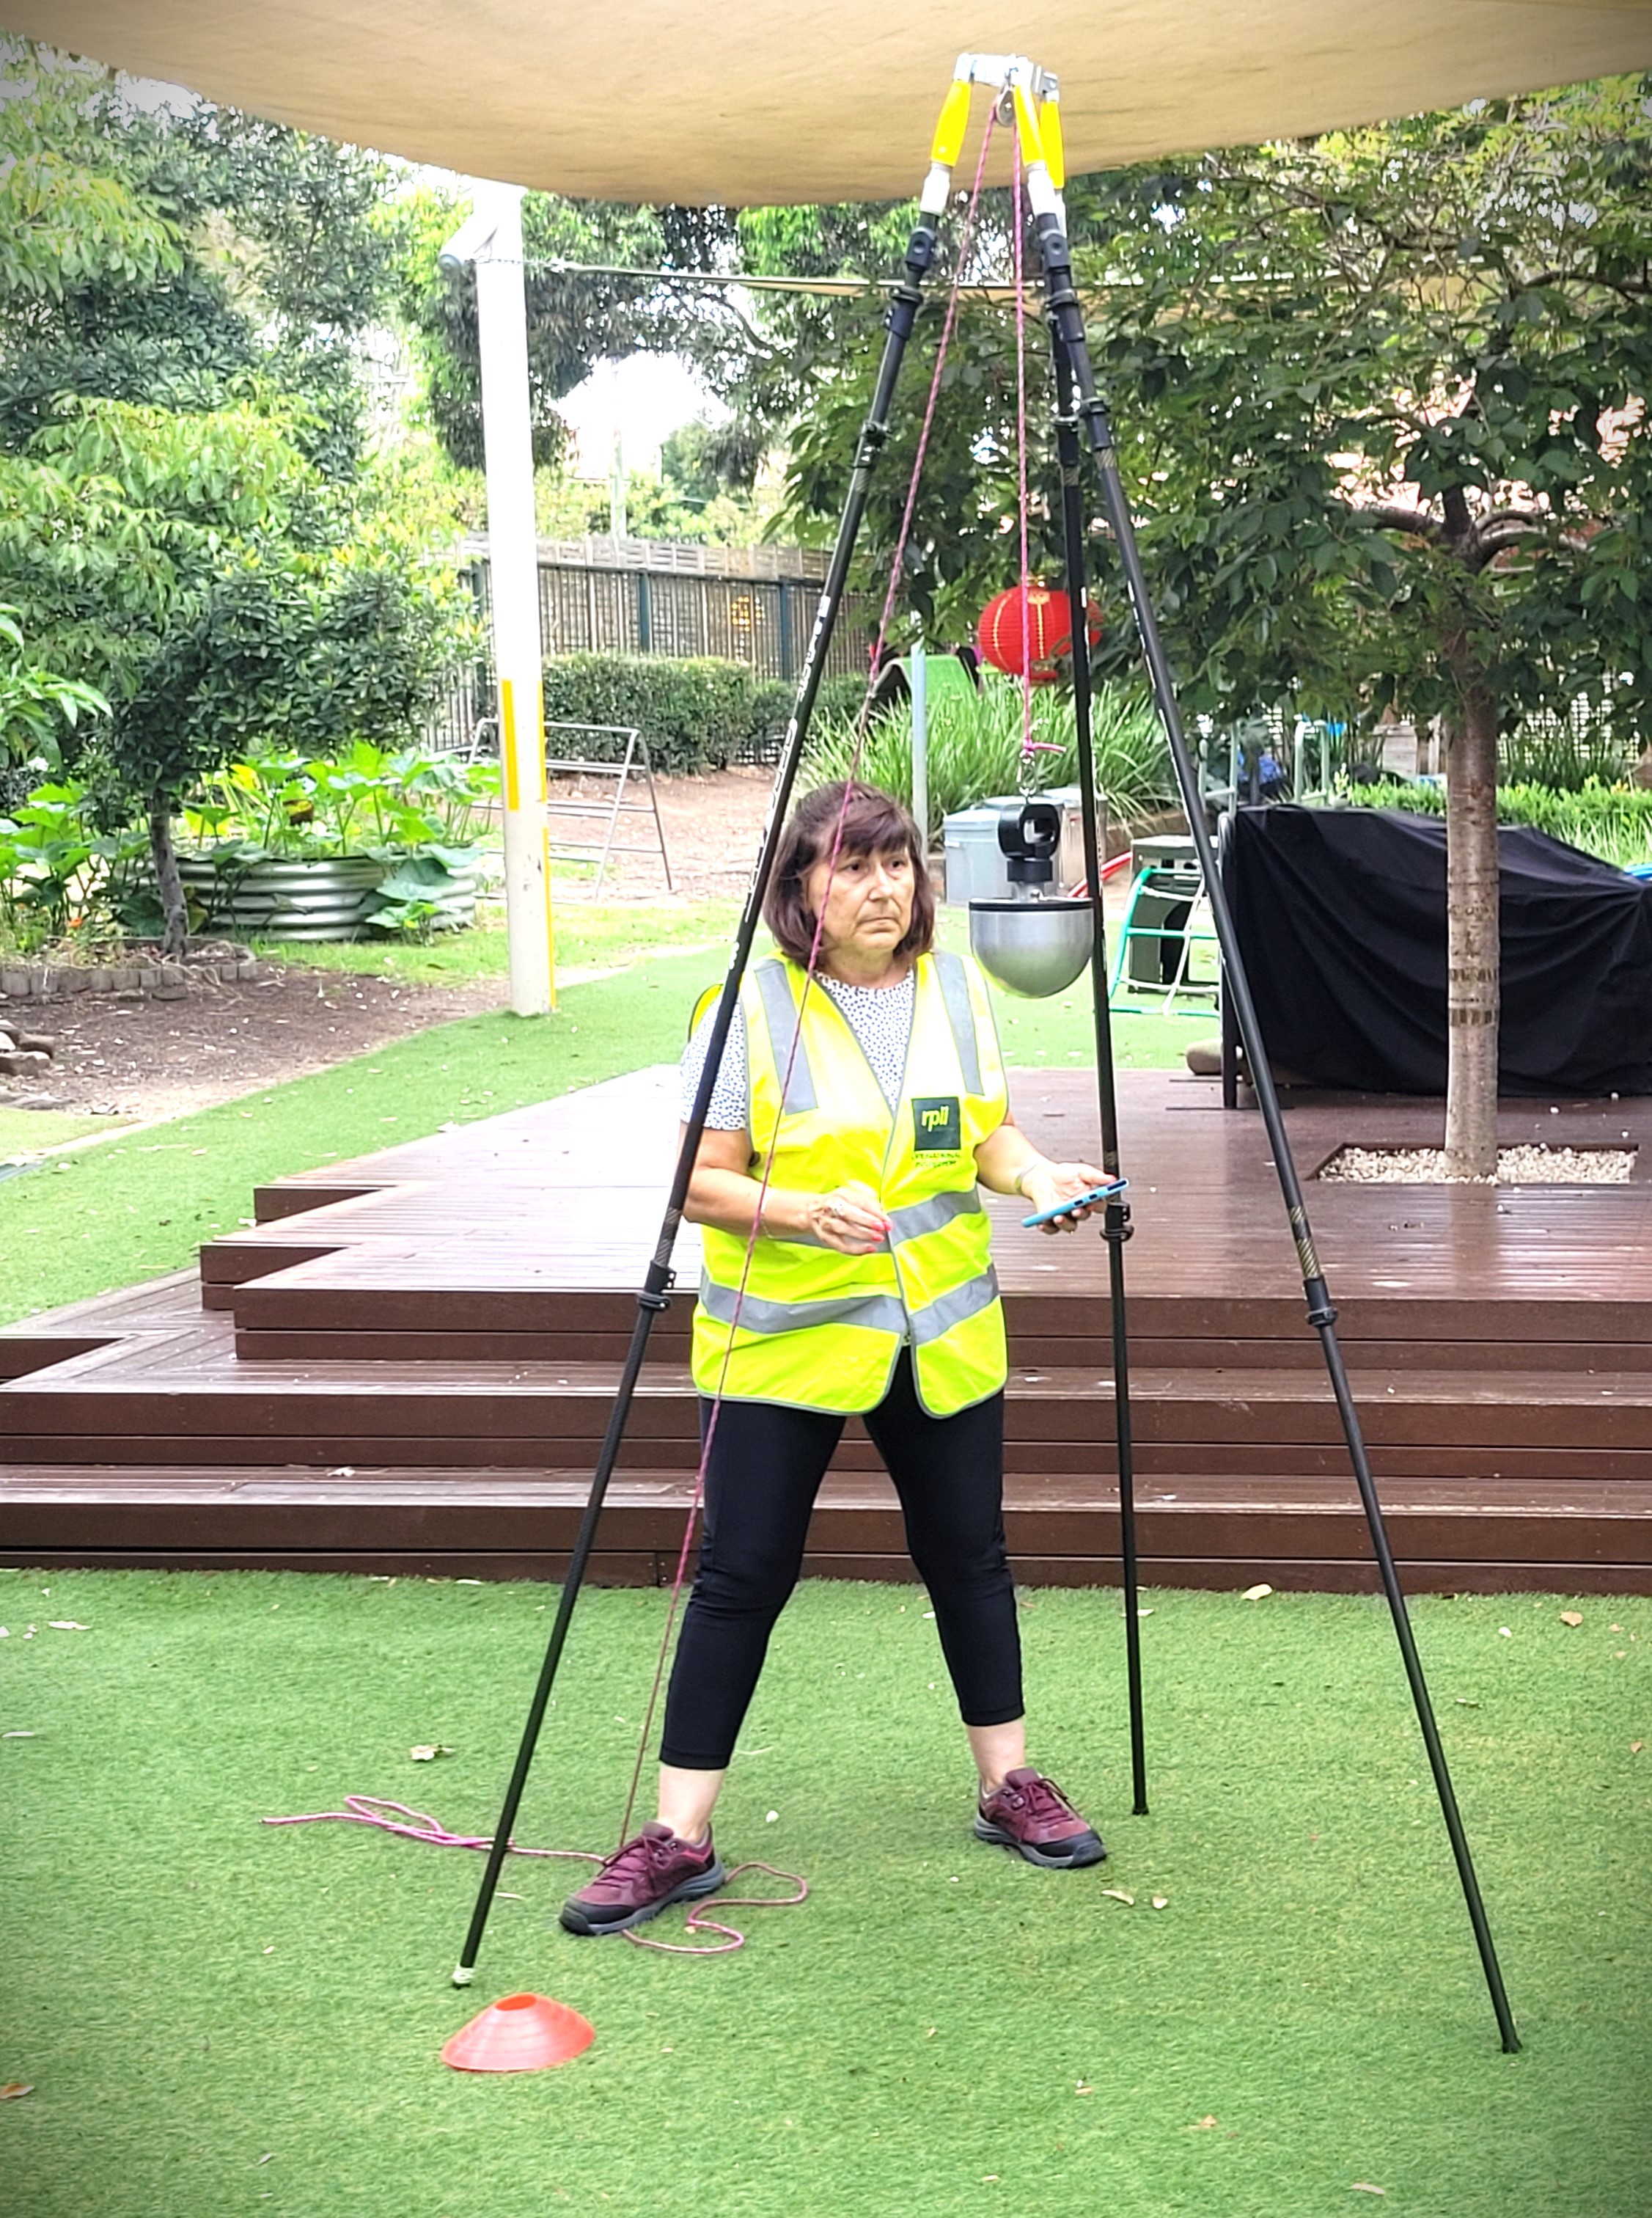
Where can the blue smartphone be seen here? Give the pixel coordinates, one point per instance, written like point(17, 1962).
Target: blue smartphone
point(1078, 1201)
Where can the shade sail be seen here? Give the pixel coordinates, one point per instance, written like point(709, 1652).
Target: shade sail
point(818, 100)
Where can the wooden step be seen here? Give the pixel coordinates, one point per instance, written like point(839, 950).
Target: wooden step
point(523, 1525)
point(449, 1302)
point(431, 1336)
point(186, 1384)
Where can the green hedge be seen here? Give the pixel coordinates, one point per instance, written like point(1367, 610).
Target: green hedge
point(696, 714)
point(1611, 822)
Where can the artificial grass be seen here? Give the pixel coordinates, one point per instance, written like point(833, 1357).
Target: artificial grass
point(219, 2017)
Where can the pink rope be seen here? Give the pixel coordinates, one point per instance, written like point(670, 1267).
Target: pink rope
point(369, 1810)
point(965, 240)
point(1029, 747)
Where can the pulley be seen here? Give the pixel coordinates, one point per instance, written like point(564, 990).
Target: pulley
point(1036, 942)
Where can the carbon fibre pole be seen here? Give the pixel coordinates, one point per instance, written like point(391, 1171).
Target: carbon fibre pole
point(1115, 1227)
point(1066, 326)
point(906, 299)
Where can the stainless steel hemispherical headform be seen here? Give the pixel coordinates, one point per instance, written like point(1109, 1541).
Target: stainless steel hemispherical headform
point(1031, 948)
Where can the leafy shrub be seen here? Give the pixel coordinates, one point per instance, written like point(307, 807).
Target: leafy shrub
point(1565, 756)
point(68, 873)
point(840, 696)
point(413, 809)
point(772, 699)
point(974, 750)
point(1611, 822)
point(434, 891)
point(366, 802)
point(698, 714)
point(60, 877)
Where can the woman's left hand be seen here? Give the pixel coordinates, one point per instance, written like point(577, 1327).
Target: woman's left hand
point(1045, 1186)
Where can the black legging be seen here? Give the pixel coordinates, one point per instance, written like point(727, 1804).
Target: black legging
point(765, 1468)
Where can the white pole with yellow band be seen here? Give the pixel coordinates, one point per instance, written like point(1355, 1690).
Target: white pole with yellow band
point(492, 240)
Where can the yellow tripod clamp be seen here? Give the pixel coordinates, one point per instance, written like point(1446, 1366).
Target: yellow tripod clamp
point(1029, 99)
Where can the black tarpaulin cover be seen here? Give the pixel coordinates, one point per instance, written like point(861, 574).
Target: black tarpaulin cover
point(1341, 919)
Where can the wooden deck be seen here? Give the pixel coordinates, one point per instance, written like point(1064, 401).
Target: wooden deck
point(407, 1362)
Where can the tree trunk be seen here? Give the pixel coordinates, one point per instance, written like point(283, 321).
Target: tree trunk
point(1471, 936)
point(176, 937)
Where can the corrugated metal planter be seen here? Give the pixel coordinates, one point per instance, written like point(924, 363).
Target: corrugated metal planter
point(326, 897)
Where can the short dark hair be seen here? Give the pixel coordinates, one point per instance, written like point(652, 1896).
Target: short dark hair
point(874, 823)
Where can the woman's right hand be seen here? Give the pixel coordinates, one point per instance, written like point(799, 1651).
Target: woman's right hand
point(848, 1219)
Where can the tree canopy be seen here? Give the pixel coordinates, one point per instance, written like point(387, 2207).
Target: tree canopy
point(574, 321)
point(189, 518)
point(1381, 400)
point(186, 261)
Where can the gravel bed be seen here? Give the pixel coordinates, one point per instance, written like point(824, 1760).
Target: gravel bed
point(1530, 1165)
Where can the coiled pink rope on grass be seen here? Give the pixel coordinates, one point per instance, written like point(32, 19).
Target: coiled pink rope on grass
point(386, 1817)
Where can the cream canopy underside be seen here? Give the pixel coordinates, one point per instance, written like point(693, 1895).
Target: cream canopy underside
point(769, 100)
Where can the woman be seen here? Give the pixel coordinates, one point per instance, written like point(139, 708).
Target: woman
point(853, 1137)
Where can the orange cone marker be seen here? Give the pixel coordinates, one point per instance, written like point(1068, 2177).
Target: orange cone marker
point(523, 2032)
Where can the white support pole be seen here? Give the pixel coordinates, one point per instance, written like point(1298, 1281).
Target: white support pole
point(513, 565)
point(616, 515)
point(917, 667)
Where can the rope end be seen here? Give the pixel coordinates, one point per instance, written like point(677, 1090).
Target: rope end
point(463, 1974)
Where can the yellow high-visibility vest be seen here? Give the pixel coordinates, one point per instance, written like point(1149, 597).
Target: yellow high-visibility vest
point(823, 1331)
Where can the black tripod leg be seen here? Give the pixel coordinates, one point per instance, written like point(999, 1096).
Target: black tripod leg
point(1116, 1220)
point(1066, 323)
point(903, 310)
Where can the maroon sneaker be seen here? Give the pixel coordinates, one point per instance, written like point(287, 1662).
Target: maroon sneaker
point(639, 1880)
point(1029, 1814)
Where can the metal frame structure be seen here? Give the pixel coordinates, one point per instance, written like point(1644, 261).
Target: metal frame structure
point(587, 767)
point(1162, 993)
point(1027, 98)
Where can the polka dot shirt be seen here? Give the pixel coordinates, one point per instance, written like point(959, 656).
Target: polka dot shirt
point(880, 1017)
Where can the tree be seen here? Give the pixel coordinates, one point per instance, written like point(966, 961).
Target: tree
point(574, 321)
point(224, 593)
point(805, 378)
point(186, 518)
point(1381, 399)
point(185, 261)
point(302, 654)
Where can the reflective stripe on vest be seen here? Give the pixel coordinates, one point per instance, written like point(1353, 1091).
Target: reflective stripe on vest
point(821, 1329)
point(791, 1058)
point(954, 991)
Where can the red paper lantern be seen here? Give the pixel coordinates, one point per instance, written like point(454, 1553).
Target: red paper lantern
point(1049, 631)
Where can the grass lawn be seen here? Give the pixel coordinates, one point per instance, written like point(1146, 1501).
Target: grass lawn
point(26, 1132)
point(217, 2017)
point(111, 1216)
point(589, 935)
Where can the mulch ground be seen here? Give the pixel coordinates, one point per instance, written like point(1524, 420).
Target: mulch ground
point(150, 1058)
point(712, 826)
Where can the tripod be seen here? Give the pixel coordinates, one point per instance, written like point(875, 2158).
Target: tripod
point(1028, 98)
